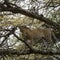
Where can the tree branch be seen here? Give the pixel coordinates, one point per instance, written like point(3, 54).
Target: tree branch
point(17, 9)
point(15, 52)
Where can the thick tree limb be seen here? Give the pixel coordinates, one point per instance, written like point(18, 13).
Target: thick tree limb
point(17, 9)
point(15, 52)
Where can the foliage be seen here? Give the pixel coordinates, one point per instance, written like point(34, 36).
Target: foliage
point(10, 34)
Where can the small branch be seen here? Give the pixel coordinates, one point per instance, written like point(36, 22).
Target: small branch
point(23, 42)
point(7, 35)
